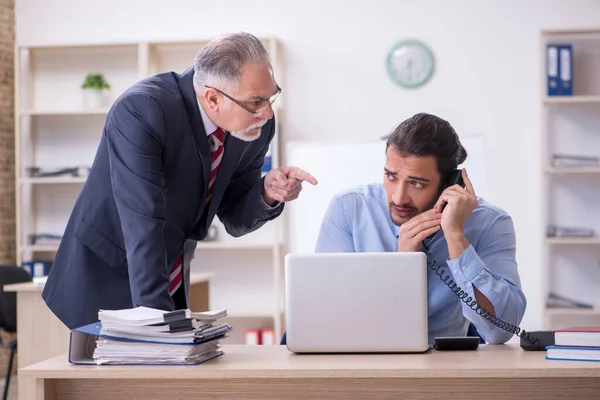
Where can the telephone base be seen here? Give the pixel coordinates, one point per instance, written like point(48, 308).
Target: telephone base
point(456, 343)
point(542, 339)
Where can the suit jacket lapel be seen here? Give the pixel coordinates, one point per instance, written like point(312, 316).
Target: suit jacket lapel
point(186, 87)
point(231, 156)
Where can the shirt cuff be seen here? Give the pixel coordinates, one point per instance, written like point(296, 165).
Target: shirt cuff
point(266, 206)
point(466, 267)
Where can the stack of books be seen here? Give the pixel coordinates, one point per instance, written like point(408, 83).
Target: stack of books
point(581, 343)
point(144, 335)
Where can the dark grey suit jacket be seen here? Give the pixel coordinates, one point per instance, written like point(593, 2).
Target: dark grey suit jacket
point(143, 202)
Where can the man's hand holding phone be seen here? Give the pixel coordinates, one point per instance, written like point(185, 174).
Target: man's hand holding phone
point(418, 228)
point(460, 204)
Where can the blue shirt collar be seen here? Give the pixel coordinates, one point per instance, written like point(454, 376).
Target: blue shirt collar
point(395, 228)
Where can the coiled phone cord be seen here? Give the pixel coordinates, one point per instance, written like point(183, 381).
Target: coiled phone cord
point(472, 304)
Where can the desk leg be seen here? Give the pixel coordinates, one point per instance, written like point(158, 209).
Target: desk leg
point(44, 389)
point(27, 389)
point(199, 296)
point(40, 335)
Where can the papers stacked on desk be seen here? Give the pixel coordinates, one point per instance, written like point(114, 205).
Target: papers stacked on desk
point(144, 335)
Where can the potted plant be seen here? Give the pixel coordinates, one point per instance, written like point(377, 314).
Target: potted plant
point(94, 89)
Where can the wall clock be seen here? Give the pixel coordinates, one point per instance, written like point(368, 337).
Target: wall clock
point(410, 63)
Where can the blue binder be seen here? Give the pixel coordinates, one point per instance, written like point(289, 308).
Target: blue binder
point(552, 69)
point(565, 57)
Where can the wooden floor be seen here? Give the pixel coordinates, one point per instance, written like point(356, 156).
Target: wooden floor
point(12, 391)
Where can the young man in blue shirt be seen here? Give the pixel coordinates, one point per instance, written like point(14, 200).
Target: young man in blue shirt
point(472, 240)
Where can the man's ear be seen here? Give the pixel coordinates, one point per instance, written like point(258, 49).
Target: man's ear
point(208, 96)
point(212, 99)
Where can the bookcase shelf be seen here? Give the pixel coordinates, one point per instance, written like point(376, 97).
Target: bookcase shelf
point(574, 311)
point(573, 171)
point(53, 180)
point(63, 113)
point(573, 241)
point(40, 248)
point(571, 127)
point(572, 100)
point(54, 130)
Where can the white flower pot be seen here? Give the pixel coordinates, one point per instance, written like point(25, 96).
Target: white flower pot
point(93, 98)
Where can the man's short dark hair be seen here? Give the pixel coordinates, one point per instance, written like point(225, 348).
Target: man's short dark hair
point(428, 135)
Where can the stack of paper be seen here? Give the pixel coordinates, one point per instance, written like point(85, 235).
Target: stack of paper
point(144, 335)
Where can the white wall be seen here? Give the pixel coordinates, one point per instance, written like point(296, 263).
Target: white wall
point(487, 79)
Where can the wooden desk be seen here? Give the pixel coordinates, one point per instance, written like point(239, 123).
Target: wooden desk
point(271, 372)
point(41, 335)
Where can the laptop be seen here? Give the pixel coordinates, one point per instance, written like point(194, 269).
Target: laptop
point(356, 303)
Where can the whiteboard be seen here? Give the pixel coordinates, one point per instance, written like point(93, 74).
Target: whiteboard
point(341, 166)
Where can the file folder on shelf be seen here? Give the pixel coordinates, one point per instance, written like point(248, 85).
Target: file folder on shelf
point(552, 69)
point(559, 69)
point(566, 69)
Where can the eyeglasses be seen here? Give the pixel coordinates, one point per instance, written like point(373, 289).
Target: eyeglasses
point(254, 107)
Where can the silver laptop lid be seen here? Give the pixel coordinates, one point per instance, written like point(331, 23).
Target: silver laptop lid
point(356, 302)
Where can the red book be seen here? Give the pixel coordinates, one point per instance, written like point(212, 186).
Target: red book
point(267, 336)
point(253, 337)
point(579, 336)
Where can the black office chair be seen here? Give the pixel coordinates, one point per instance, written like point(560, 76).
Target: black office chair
point(8, 312)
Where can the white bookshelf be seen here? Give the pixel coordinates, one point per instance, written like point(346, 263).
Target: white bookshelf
point(54, 130)
point(571, 125)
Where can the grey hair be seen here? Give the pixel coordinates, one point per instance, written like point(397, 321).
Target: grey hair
point(220, 61)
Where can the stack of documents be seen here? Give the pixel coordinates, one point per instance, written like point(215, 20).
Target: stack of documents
point(144, 335)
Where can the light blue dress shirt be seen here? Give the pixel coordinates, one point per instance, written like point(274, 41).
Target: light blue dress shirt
point(358, 220)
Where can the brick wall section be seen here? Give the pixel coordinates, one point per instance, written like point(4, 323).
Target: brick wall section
point(7, 152)
point(7, 132)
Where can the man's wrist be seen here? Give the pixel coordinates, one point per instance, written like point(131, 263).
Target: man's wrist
point(268, 200)
point(457, 243)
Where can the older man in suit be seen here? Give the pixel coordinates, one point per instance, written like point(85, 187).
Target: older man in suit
point(176, 150)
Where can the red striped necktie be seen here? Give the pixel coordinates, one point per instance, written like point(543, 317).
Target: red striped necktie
point(216, 141)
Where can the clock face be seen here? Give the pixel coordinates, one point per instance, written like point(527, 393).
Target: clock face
point(410, 63)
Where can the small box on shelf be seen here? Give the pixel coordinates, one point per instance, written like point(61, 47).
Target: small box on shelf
point(267, 165)
point(37, 268)
point(265, 336)
point(253, 337)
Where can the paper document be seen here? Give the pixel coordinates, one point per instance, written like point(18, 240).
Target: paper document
point(143, 335)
